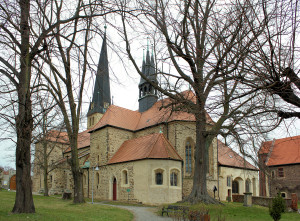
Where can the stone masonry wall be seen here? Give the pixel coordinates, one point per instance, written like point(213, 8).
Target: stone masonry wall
point(104, 144)
point(55, 155)
point(103, 188)
point(288, 184)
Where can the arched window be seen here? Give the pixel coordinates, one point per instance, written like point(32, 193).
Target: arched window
point(188, 157)
point(159, 178)
point(235, 187)
point(174, 175)
point(125, 177)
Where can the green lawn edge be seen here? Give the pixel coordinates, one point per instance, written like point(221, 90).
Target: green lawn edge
point(232, 211)
point(55, 208)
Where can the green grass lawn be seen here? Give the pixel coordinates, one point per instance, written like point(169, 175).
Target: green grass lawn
point(54, 208)
point(238, 212)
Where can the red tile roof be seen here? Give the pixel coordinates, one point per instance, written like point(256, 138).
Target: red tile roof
point(228, 157)
point(58, 136)
point(152, 146)
point(83, 140)
point(134, 120)
point(282, 151)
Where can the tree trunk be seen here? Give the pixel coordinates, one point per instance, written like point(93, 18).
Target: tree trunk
point(78, 185)
point(76, 171)
point(24, 125)
point(199, 191)
point(45, 168)
point(24, 121)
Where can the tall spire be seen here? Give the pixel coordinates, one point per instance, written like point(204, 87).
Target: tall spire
point(101, 96)
point(148, 95)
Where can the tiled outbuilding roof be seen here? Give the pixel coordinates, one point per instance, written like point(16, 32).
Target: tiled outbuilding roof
point(282, 151)
point(152, 146)
point(228, 157)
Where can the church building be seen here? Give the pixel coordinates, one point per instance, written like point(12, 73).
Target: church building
point(146, 155)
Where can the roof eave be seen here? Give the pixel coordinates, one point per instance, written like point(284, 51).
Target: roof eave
point(128, 161)
point(237, 167)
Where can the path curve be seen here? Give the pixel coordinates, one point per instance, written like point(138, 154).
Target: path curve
point(142, 213)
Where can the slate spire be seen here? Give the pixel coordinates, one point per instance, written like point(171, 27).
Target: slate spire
point(147, 94)
point(101, 96)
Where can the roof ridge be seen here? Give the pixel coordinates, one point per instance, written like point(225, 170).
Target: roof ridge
point(170, 145)
point(157, 134)
point(284, 138)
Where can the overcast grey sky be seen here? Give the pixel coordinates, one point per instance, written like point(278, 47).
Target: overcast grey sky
point(124, 89)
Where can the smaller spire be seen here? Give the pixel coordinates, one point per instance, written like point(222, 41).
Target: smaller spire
point(160, 130)
point(147, 44)
point(144, 54)
point(152, 50)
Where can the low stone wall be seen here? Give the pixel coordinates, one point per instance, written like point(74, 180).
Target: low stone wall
point(259, 200)
point(237, 198)
point(262, 201)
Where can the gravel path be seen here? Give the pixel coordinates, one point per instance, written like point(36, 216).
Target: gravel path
point(142, 213)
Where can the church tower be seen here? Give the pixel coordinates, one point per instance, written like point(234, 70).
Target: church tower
point(147, 94)
point(101, 96)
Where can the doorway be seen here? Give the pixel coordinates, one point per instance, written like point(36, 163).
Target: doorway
point(115, 189)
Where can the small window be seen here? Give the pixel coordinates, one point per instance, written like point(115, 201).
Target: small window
point(159, 178)
point(229, 181)
point(98, 159)
point(283, 195)
point(98, 179)
point(125, 177)
point(173, 179)
point(280, 172)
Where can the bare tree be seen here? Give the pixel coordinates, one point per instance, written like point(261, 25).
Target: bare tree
point(67, 62)
point(25, 27)
point(206, 43)
point(273, 65)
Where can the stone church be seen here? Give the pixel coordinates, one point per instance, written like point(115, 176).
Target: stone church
point(145, 156)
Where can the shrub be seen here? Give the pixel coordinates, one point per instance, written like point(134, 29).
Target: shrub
point(278, 207)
